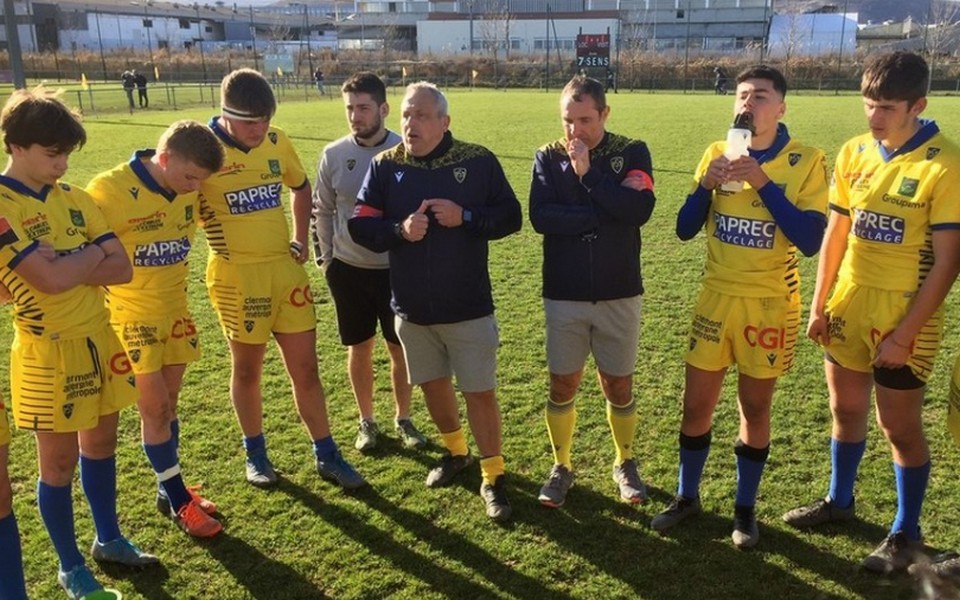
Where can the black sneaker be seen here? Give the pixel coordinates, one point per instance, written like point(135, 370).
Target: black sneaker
point(746, 534)
point(679, 509)
point(495, 497)
point(442, 475)
point(895, 553)
point(819, 512)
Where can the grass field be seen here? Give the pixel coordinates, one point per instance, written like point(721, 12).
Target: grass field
point(307, 539)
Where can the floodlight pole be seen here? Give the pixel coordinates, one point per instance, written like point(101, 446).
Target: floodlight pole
point(103, 62)
point(203, 60)
point(13, 45)
point(843, 27)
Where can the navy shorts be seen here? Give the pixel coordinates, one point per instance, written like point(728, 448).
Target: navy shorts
point(362, 298)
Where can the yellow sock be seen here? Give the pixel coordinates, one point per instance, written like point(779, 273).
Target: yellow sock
point(623, 424)
point(561, 421)
point(491, 468)
point(455, 442)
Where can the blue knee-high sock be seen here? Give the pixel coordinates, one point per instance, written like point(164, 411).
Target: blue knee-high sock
point(750, 463)
point(56, 510)
point(845, 460)
point(99, 480)
point(911, 488)
point(693, 458)
point(175, 434)
point(163, 459)
point(324, 448)
point(12, 586)
point(255, 445)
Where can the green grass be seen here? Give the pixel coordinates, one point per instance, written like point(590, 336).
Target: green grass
point(307, 539)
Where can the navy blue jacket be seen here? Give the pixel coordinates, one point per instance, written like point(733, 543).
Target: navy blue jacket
point(443, 278)
point(591, 225)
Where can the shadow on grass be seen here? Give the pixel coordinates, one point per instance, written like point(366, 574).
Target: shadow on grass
point(257, 573)
point(454, 546)
point(148, 582)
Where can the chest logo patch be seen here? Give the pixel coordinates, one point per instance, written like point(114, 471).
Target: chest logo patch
point(459, 173)
point(616, 163)
point(76, 217)
point(273, 137)
point(274, 165)
point(932, 152)
point(793, 159)
point(908, 187)
point(351, 163)
point(398, 175)
point(135, 192)
point(564, 164)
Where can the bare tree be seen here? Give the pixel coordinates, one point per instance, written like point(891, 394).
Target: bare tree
point(941, 29)
point(495, 31)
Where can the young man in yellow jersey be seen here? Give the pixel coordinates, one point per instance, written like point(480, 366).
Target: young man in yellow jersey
point(68, 374)
point(150, 202)
point(748, 310)
point(255, 274)
point(890, 254)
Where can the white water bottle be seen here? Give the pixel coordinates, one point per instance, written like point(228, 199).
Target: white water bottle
point(739, 137)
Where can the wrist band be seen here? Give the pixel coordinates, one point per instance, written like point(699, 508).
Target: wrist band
point(296, 247)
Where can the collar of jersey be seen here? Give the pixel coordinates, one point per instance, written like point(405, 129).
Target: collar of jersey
point(18, 187)
point(386, 137)
point(779, 143)
point(928, 129)
point(214, 125)
point(143, 174)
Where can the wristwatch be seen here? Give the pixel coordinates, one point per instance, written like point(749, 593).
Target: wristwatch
point(398, 230)
point(467, 216)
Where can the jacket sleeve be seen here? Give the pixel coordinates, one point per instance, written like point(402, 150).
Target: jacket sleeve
point(500, 213)
point(367, 226)
point(550, 216)
point(623, 203)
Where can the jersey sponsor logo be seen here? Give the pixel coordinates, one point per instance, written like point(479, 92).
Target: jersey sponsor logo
point(835, 327)
point(768, 338)
point(744, 232)
point(351, 163)
point(232, 168)
point(253, 199)
point(273, 137)
point(459, 173)
point(76, 217)
point(398, 176)
point(793, 158)
point(184, 328)
point(301, 296)
point(908, 187)
point(932, 152)
point(151, 222)
point(7, 234)
point(274, 166)
point(878, 227)
point(162, 253)
point(120, 364)
point(902, 202)
point(616, 163)
point(135, 192)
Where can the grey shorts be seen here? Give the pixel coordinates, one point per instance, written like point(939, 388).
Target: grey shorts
point(467, 349)
point(610, 329)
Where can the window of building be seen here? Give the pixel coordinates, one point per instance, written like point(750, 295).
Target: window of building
point(680, 13)
point(184, 23)
point(148, 23)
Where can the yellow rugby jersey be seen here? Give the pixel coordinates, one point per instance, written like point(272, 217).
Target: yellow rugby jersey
point(67, 218)
point(747, 254)
point(241, 207)
point(895, 202)
point(156, 228)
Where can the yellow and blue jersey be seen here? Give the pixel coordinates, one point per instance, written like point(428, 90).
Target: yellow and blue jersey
point(746, 250)
point(241, 206)
point(895, 200)
point(67, 218)
point(156, 228)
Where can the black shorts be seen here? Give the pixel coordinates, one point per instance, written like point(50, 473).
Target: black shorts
point(362, 297)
